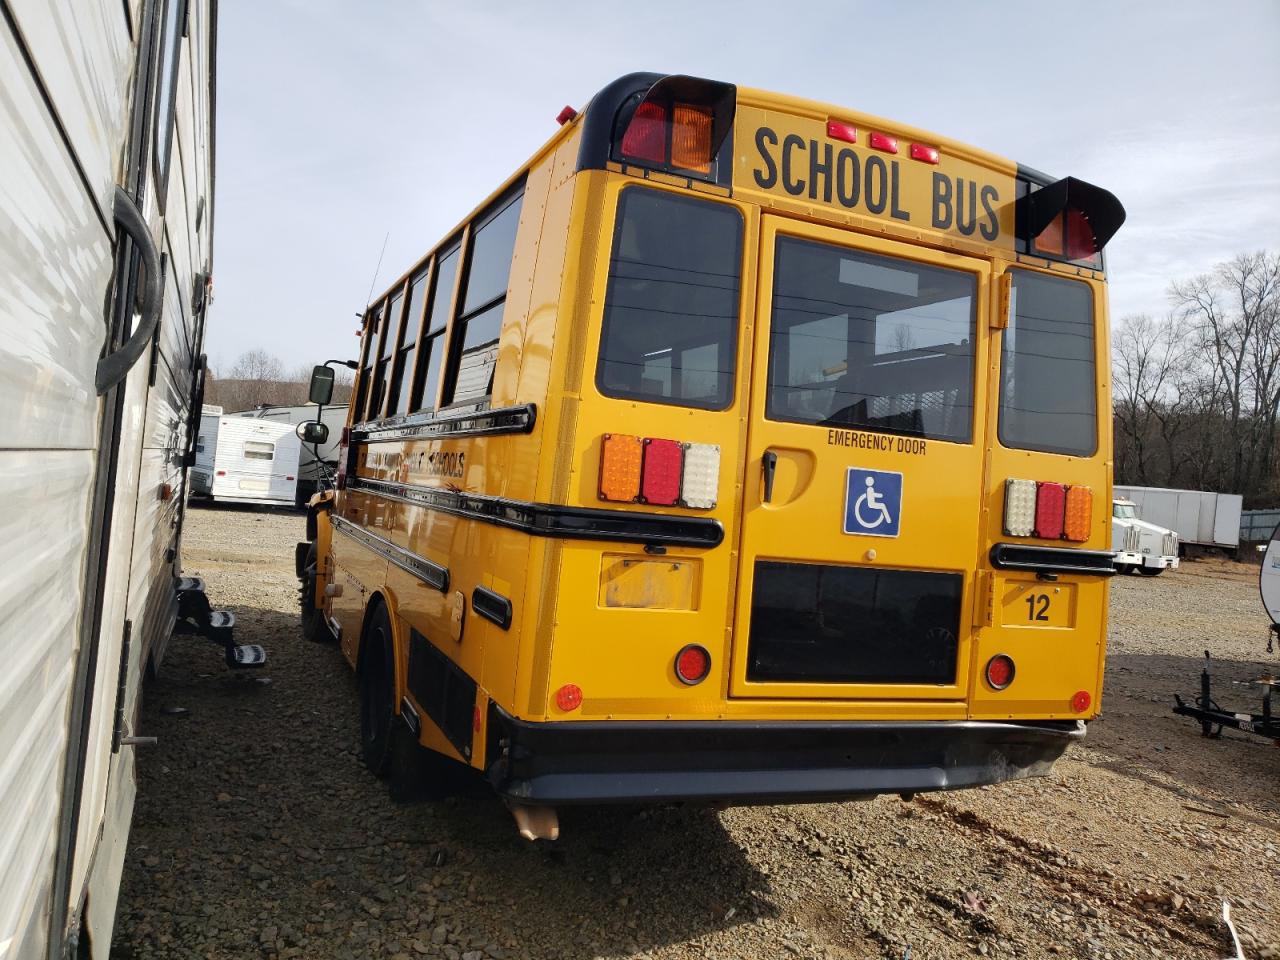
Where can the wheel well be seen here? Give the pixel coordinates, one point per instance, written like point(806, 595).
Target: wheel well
point(376, 600)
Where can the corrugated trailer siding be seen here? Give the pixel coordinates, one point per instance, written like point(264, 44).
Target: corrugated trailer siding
point(56, 262)
point(43, 523)
point(83, 50)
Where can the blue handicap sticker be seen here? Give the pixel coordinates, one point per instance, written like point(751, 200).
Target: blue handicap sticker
point(873, 502)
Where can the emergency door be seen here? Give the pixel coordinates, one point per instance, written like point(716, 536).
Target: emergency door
point(863, 480)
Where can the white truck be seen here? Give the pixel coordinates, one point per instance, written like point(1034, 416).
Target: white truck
point(1139, 545)
point(256, 461)
point(1204, 520)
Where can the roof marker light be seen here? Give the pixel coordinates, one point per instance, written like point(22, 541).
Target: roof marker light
point(920, 151)
point(566, 115)
point(839, 130)
point(882, 141)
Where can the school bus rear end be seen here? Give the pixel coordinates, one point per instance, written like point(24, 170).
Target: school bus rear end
point(790, 482)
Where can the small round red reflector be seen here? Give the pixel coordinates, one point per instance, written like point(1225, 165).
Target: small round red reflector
point(1081, 701)
point(569, 697)
point(1000, 671)
point(693, 663)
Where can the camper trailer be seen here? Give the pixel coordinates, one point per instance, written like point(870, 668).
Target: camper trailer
point(315, 462)
point(201, 477)
point(106, 231)
point(256, 461)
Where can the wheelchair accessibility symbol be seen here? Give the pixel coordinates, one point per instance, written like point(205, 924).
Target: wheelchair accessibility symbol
point(872, 502)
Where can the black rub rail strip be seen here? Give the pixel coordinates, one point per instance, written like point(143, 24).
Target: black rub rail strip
point(426, 570)
point(471, 423)
point(552, 520)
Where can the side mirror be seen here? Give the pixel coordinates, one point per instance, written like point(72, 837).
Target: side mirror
point(321, 391)
point(313, 431)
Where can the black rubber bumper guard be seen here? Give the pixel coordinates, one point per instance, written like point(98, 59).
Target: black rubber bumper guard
point(744, 762)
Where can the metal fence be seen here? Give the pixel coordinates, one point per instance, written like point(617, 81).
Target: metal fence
point(1257, 525)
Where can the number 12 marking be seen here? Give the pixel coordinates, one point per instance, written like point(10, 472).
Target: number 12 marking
point(1037, 606)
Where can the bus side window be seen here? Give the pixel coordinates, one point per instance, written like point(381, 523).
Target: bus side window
point(671, 308)
point(387, 346)
point(474, 347)
point(403, 367)
point(368, 351)
point(427, 379)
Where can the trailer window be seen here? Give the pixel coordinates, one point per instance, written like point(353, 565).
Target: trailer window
point(670, 325)
point(258, 450)
point(1047, 388)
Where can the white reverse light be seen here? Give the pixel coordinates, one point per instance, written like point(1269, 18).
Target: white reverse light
point(701, 477)
point(1019, 507)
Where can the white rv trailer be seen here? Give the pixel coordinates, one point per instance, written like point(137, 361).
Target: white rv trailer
point(201, 476)
point(106, 218)
point(311, 468)
point(256, 462)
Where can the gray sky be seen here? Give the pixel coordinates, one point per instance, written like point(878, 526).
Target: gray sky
point(340, 122)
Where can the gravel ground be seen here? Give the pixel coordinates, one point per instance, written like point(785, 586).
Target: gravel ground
point(259, 834)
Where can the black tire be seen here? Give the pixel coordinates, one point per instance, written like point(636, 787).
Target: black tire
point(313, 625)
point(377, 694)
point(1151, 571)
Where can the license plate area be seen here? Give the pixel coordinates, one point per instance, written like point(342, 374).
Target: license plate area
point(1034, 604)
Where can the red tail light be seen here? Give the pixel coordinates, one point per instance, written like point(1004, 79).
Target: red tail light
point(220, 473)
point(1082, 701)
point(660, 479)
point(693, 664)
point(1000, 671)
point(1051, 508)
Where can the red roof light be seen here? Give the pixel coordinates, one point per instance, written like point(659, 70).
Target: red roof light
point(839, 130)
point(646, 136)
point(920, 151)
point(882, 141)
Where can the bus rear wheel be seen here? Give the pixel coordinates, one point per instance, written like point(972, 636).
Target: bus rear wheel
point(377, 694)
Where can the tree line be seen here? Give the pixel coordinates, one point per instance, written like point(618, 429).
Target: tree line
point(259, 379)
point(1197, 390)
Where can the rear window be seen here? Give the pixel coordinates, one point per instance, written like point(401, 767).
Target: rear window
point(671, 309)
point(1047, 384)
point(257, 450)
point(876, 343)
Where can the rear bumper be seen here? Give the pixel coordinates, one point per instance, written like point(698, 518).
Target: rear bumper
point(1160, 563)
point(760, 762)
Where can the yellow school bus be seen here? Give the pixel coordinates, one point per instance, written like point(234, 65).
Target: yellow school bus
point(738, 448)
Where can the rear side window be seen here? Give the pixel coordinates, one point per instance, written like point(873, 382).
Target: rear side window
point(871, 342)
point(1047, 383)
point(670, 327)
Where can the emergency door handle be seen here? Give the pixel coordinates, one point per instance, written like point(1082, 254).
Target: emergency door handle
point(768, 464)
point(114, 367)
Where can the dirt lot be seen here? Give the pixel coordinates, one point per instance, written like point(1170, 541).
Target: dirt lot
point(259, 834)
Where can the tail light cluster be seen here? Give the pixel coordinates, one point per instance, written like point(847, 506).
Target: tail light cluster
point(666, 472)
point(1051, 511)
point(686, 127)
